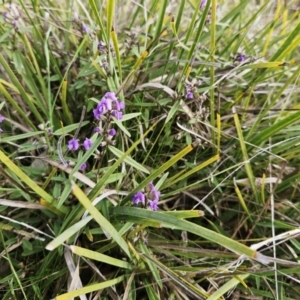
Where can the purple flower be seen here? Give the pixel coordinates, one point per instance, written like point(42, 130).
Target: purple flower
point(151, 186)
point(189, 95)
point(1, 119)
point(240, 57)
point(122, 104)
point(153, 194)
point(203, 3)
point(111, 96)
point(102, 107)
point(83, 167)
point(101, 44)
point(87, 144)
point(117, 114)
point(153, 204)
point(109, 103)
point(73, 144)
point(189, 91)
point(138, 197)
point(97, 129)
point(98, 112)
point(112, 132)
point(85, 28)
point(102, 47)
point(118, 105)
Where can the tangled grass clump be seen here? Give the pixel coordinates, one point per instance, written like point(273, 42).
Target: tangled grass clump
point(149, 150)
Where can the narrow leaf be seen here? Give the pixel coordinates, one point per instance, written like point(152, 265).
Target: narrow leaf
point(99, 218)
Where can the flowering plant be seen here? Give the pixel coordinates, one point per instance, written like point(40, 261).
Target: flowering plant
point(150, 197)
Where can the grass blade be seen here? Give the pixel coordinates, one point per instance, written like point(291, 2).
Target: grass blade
point(98, 217)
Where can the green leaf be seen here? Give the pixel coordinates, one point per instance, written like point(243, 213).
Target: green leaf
point(98, 217)
point(69, 128)
point(231, 284)
point(91, 288)
point(101, 257)
point(118, 153)
point(68, 233)
point(180, 224)
point(32, 185)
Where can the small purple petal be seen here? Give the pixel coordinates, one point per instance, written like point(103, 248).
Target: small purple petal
point(102, 49)
point(97, 113)
point(87, 144)
point(122, 104)
point(111, 96)
point(241, 57)
point(83, 167)
point(189, 95)
point(1, 119)
point(112, 132)
point(138, 197)
point(106, 103)
point(97, 129)
point(73, 144)
point(101, 44)
point(85, 28)
point(153, 194)
point(103, 106)
point(153, 204)
point(117, 114)
point(151, 186)
point(116, 105)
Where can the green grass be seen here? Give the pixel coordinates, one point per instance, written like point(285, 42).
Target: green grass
point(226, 162)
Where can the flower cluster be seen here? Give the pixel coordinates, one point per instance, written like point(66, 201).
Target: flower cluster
point(109, 104)
point(189, 93)
point(1, 120)
point(131, 41)
point(150, 196)
point(110, 132)
point(191, 88)
point(102, 48)
point(12, 17)
point(74, 144)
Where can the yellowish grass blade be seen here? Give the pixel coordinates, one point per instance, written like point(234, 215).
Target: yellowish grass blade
point(90, 288)
point(32, 185)
point(68, 233)
point(101, 257)
point(99, 218)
